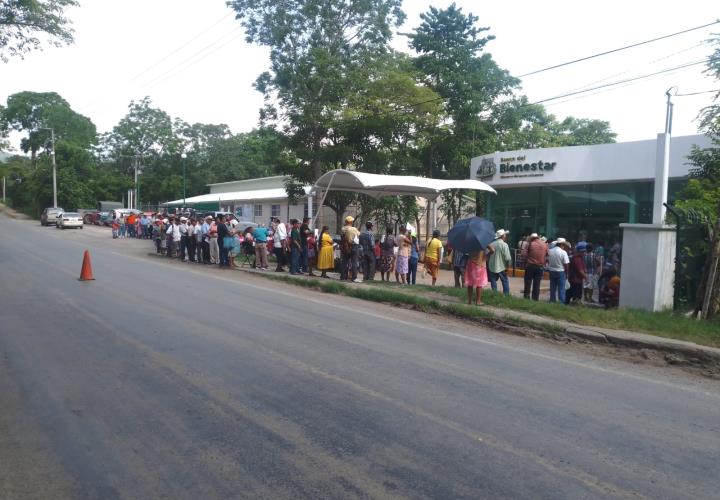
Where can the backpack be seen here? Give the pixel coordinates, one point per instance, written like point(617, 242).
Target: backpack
point(389, 243)
point(345, 246)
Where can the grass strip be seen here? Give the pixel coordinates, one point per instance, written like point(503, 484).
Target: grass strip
point(417, 302)
point(661, 324)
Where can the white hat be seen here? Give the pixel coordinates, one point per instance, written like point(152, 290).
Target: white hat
point(534, 236)
point(500, 233)
point(165, 221)
point(234, 223)
point(183, 219)
point(560, 241)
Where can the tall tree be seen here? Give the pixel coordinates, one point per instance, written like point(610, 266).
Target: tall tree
point(450, 48)
point(144, 131)
point(24, 24)
point(34, 112)
point(319, 49)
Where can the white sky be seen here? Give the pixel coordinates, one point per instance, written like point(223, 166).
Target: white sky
point(190, 57)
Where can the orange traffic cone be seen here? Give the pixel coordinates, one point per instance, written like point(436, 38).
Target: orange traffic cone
point(86, 273)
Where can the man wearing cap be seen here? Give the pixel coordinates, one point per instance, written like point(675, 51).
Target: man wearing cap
point(222, 232)
point(576, 275)
point(367, 249)
point(534, 262)
point(499, 261)
point(304, 235)
point(349, 249)
point(558, 261)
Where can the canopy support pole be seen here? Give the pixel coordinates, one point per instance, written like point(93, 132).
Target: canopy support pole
point(322, 202)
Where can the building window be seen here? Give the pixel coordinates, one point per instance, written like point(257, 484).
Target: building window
point(275, 210)
point(258, 210)
point(239, 211)
point(305, 209)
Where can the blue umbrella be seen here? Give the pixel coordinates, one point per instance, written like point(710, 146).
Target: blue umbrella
point(471, 234)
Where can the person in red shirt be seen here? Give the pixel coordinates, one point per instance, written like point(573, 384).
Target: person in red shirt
point(535, 256)
point(576, 275)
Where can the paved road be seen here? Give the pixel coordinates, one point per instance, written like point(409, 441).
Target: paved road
point(167, 380)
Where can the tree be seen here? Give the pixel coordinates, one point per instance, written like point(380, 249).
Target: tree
point(710, 116)
point(144, 132)
point(319, 50)
point(25, 23)
point(450, 49)
point(34, 112)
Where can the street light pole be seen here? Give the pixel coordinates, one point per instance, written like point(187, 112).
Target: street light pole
point(184, 162)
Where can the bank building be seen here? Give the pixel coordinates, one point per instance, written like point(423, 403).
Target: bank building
point(566, 191)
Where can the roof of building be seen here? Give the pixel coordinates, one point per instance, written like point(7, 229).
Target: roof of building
point(251, 195)
point(377, 185)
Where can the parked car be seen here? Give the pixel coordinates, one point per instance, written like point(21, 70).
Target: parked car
point(119, 212)
point(90, 216)
point(49, 215)
point(69, 219)
point(101, 219)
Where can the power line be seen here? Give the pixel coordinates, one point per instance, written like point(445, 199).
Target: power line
point(650, 63)
point(698, 93)
point(667, 70)
point(188, 62)
point(164, 58)
point(617, 50)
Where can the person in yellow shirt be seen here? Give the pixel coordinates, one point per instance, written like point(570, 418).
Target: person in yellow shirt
point(433, 254)
point(326, 258)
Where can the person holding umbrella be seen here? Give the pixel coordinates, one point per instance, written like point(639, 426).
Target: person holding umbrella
point(473, 236)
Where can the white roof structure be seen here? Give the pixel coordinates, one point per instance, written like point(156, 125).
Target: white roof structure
point(377, 185)
point(258, 194)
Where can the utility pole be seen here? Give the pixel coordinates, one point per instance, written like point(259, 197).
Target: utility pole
point(662, 172)
point(137, 187)
point(3, 189)
point(54, 165)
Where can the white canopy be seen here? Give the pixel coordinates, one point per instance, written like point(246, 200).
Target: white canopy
point(258, 194)
point(377, 185)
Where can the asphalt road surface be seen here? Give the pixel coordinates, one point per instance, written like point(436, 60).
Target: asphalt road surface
point(170, 380)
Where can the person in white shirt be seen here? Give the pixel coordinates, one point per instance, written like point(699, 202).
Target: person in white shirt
point(557, 266)
point(205, 230)
point(279, 244)
point(173, 237)
point(196, 255)
point(184, 237)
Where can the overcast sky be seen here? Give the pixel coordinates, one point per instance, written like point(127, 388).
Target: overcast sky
point(191, 58)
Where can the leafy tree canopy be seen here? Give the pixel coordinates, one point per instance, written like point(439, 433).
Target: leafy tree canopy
point(25, 24)
point(35, 112)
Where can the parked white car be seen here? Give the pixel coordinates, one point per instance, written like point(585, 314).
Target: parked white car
point(69, 219)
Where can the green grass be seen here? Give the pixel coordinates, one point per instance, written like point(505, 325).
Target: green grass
point(661, 324)
point(418, 302)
